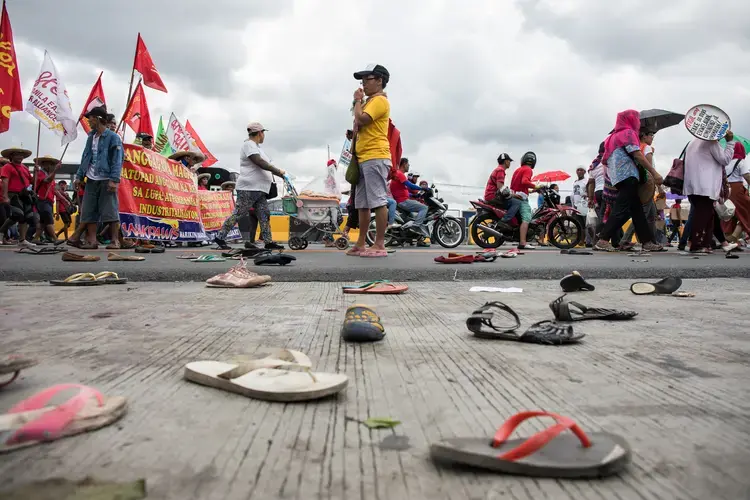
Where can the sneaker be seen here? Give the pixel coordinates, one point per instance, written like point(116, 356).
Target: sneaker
point(604, 246)
point(729, 247)
point(527, 246)
point(652, 247)
point(274, 246)
point(222, 244)
point(250, 245)
point(26, 244)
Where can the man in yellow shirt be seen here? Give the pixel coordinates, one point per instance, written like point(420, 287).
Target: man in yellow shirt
point(373, 151)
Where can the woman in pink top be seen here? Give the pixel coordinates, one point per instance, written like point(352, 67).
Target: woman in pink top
point(704, 176)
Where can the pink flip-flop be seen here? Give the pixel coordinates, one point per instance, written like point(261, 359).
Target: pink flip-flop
point(354, 252)
point(31, 421)
point(376, 288)
point(374, 254)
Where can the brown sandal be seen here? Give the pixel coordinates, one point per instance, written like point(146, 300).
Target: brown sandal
point(74, 257)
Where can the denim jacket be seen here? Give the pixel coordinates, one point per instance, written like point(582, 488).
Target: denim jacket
point(109, 156)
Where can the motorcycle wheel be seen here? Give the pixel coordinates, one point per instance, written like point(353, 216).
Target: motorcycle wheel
point(560, 232)
point(370, 236)
point(448, 232)
point(482, 239)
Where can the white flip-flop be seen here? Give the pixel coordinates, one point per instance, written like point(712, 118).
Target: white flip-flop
point(282, 376)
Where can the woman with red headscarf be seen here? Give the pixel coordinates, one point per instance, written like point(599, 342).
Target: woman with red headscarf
point(623, 157)
point(737, 171)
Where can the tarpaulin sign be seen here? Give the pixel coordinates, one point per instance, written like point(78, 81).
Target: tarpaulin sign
point(707, 122)
point(158, 198)
point(215, 207)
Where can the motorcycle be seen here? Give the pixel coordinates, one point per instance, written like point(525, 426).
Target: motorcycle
point(561, 224)
point(444, 229)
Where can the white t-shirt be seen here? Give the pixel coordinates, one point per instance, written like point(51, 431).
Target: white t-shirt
point(598, 175)
point(92, 166)
point(742, 169)
point(252, 177)
point(579, 191)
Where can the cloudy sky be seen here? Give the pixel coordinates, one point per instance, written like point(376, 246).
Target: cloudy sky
point(467, 82)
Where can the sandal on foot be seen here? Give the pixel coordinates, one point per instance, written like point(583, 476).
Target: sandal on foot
point(666, 286)
point(379, 287)
point(563, 312)
point(78, 279)
point(362, 324)
point(14, 364)
point(282, 376)
point(480, 322)
point(549, 453)
point(33, 420)
point(574, 282)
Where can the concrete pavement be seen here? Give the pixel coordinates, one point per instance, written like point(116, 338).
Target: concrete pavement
point(673, 382)
point(320, 264)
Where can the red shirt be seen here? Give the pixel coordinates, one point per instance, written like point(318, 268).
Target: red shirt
point(45, 190)
point(496, 177)
point(202, 188)
point(399, 191)
point(18, 177)
point(63, 203)
point(521, 181)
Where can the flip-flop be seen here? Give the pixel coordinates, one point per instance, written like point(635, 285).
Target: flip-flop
point(116, 257)
point(243, 252)
point(373, 254)
point(78, 279)
point(380, 287)
point(563, 312)
point(455, 258)
point(207, 257)
point(575, 251)
point(158, 249)
point(14, 364)
point(730, 255)
point(282, 376)
point(480, 322)
point(574, 282)
point(188, 256)
point(75, 257)
point(510, 254)
point(32, 421)
point(485, 256)
point(355, 252)
point(362, 324)
point(666, 286)
point(548, 453)
point(269, 259)
point(110, 278)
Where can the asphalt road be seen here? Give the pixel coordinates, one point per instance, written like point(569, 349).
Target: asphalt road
point(319, 264)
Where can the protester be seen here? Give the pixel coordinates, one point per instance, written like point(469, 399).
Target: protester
point(622, 157)
point(704, 171)
point(45, 189)
point(493, 191)
point(675, 221)
point(190, 159)
point(738, 171)
point(373, 154)
point(203, 182)
point(101, 165)
point(253, 187)
point(146, 140)
point(521, 185)
point(646, 191)
point(4, 207)
point(17, 190)
point(400, 187)
point(228, 186)
point(111, 122)
point(579, 196)
point(65, 208)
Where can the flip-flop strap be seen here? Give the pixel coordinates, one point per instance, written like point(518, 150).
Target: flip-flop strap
point(245, 366)
point(368, 285)
point(561, 309)
point(80, 277)
point(51, 423)
point(106, 274)
point(484, 315)
point(538, 440)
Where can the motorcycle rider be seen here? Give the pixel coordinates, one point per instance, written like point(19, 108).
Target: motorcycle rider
point(497, 195)
point(521, 186)
point(400, 187)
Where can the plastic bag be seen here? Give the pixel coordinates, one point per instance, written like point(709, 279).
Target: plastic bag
point(326, 186)
point(723, 211)
point(591, 218)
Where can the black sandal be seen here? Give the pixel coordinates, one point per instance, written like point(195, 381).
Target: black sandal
point(480, 322)
point(550, 333)
point(562, 311)
point(266, 258)
point(574, 282)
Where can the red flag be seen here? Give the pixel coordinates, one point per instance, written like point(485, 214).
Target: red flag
point(145, 66)
point(10, 83)
point(96, 99)
point(137, 115)
point(210, 159)
point(394, 140)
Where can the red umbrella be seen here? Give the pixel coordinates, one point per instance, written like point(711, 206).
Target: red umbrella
point(553, 176)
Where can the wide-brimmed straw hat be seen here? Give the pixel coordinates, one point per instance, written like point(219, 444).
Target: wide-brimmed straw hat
point(179, 155)
point(228, 184)
point(7, 152)
point(46, 158)
point(206, 175)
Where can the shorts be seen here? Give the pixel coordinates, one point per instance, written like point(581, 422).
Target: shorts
point(525, 211)
point(372, 188)
point(65, 217)
point(99, 204)
point(21, 210)
point(46, 216)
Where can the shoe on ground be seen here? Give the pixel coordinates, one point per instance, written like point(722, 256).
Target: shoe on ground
point(274, 246)
point(222, 244)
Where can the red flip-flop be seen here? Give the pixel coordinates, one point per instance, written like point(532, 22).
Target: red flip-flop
point(455, 258)
point(376, 288)
point(548, 453)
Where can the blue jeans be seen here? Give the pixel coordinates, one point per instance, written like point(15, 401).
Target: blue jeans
point(513, 206)
point(414, 206)
point(391, 210)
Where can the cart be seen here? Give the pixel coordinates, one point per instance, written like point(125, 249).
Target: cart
point(320, 214)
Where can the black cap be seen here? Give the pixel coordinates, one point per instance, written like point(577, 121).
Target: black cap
point(99, 111)
point(144, 135)
point(375, 70)
point(503, 157)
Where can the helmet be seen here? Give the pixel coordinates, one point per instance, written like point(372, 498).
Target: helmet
point(529, 158)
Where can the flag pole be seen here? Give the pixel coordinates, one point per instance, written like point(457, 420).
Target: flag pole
point(38, 137)
point(130, 89)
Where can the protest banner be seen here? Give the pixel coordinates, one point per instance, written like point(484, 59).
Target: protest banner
point(707, 122)
point(158, 198)
point(215, 207)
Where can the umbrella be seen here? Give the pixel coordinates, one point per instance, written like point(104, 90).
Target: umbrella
point(672, 196)
point(658, 119)
point(738, 138)
point(553, 176)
